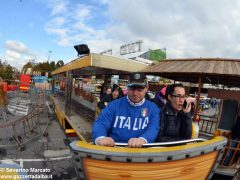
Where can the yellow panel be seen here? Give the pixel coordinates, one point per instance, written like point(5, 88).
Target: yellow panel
point(59, 116)
point(8, 174)
point(103, 61)
point(69, 131)
point(62, 118)
point(195, 130)
point(187, 169)
point(75, 64)
point(111, 62)
point(149, 150)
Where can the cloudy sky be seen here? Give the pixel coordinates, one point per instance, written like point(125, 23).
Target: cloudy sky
point(30, 29)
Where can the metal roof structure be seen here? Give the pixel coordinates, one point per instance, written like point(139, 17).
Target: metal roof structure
point(211, 70)
point(95, 64)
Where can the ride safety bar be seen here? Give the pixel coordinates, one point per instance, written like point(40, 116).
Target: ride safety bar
point(172, 143)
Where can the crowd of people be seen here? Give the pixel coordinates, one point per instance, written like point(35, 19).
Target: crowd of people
point(136, 120)
point(108, 94)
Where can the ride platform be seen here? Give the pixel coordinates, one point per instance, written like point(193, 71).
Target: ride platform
point(81, 126)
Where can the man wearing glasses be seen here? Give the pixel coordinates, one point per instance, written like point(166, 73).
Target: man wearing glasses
point(131, 119)
point(176, 123)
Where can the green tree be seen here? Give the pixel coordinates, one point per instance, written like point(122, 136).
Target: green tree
point(25, 67)
point(1, 69)
point(8, 73)
point(53, 65)
point(59, 64)
point(44, 67)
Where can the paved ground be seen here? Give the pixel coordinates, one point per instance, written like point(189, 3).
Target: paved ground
point(18, 106)
point(49, 153)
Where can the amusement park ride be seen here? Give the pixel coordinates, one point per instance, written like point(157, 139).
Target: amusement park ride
point(198, 158)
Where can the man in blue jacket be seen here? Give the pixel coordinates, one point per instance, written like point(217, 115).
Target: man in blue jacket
point(131, 119)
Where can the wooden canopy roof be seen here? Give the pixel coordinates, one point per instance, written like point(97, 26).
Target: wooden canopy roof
point(95, 64)
point(211, 70)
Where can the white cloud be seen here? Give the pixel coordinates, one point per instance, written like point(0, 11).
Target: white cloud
point(15, 59)
point(82, 12)
point(99, 45)
point(16, 46)
point(199, 28)
point(185, 28)
point(56, 22)
point(62, 35)
point(57, 6)
point(64, 41)
point(72, 27)
point(17, 53)
point(12, 55)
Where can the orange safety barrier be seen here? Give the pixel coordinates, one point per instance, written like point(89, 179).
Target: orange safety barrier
point(3, 94)
point(5, 87)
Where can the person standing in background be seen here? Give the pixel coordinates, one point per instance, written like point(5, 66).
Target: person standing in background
point(109, 98)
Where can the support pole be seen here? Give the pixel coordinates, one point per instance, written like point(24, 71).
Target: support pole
point(198, 98)
point(68, 93)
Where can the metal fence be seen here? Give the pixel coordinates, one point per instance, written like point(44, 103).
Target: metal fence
point(207, 125)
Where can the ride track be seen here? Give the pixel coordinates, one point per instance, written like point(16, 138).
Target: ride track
point(23, 129)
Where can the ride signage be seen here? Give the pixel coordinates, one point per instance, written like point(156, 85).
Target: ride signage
point(131, 48)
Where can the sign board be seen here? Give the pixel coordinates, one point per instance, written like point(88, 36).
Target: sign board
point(131, 48)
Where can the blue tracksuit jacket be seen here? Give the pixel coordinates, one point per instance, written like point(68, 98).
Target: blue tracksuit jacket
point(122, 121)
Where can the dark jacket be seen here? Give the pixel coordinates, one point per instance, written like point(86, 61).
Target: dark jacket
point(104, 101)
point(236, 129)
point(158, 100)
point(115, 86)
point(174, 127)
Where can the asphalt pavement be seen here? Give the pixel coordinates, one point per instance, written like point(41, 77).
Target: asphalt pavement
point(46, 156)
